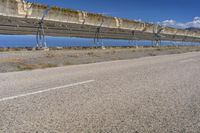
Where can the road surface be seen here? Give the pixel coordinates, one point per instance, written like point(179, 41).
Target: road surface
point(151, 94)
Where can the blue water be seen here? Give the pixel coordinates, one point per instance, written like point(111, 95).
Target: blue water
point(30, 41)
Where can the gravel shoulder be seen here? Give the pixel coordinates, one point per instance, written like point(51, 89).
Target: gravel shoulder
point(20, 60)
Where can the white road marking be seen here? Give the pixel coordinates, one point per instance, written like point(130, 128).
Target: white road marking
point(42, 91)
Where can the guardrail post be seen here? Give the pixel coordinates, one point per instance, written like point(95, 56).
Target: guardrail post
point(40, 35)
point(98, 36)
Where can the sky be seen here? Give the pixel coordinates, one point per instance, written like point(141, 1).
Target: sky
point(174, 13)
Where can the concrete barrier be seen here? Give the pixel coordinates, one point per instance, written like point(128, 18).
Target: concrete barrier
point(60, 18)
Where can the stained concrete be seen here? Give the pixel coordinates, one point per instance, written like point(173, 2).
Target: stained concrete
point(20, 17)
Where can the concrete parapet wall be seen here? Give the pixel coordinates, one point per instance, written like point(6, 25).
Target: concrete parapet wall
point(9, 8)
point(22, 9)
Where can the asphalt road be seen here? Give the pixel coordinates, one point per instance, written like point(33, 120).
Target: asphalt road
point(152, 94)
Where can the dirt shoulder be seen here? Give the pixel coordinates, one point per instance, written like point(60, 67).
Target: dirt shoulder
point(19, 60)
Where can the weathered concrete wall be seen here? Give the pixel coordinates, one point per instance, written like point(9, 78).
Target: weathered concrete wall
point(24, 10)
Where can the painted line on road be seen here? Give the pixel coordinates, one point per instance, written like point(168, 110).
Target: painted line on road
point(42, 91)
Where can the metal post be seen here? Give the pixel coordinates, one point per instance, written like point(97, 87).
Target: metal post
point(133, 39)
point(157, 35)
point(98, 36)
point(40, 35)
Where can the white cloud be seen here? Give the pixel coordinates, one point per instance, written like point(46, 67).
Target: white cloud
point(172, 23)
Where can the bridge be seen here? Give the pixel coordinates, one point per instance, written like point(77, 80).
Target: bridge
point(19, 17)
